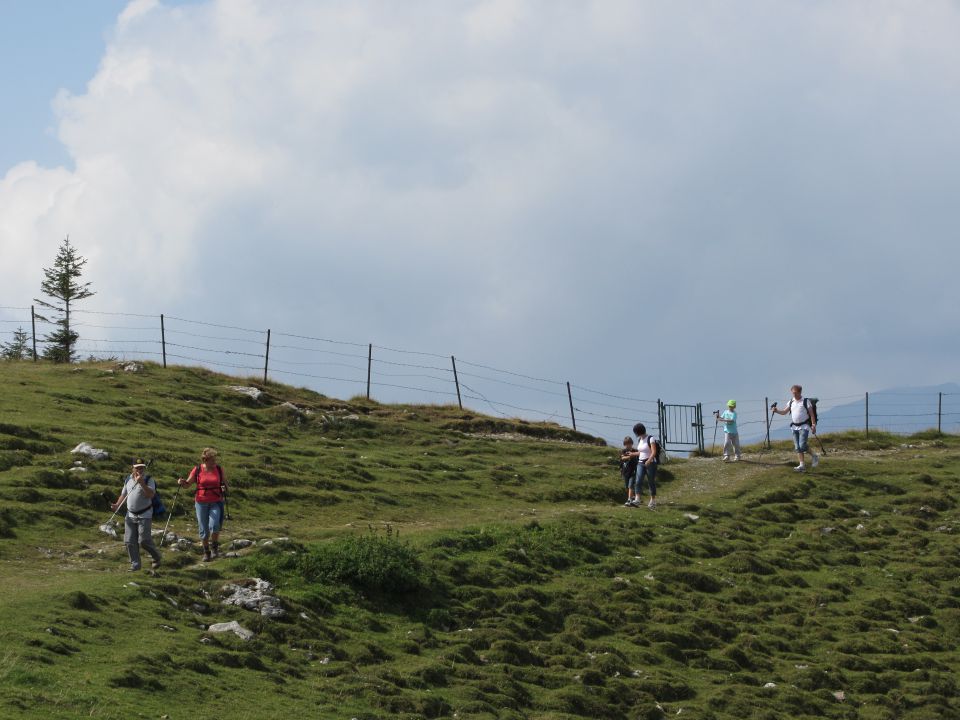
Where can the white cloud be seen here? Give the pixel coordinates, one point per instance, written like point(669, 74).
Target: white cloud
point(522, 178)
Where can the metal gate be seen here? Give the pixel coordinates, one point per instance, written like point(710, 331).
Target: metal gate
point(681, 426)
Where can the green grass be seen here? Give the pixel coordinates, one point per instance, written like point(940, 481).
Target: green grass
point(439, 563)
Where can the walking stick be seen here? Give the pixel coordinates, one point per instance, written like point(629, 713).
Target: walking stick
point(170, 514)
point(716, 422)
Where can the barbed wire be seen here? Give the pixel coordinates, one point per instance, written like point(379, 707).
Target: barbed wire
point(589, 403)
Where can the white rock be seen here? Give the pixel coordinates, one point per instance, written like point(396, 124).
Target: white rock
point(691, 517)
point(234, 627)
point(78, 469)
point(133, 367)
point(88, 449)
point(840, 695)
point(250, 392)
point(770, 685)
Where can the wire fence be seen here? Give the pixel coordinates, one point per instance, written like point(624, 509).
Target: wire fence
point(341, 368)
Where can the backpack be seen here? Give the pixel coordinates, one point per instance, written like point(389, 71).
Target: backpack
point(658, 457)
point(811, 406)
point(158, 507)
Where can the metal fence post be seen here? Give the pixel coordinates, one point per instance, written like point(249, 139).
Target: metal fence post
point(266, 357)
point(163, 341)
point(369, 365)
point(939, 410)
point(33, 326)
point(866, 414)
point(456, 381)
point(573, 418)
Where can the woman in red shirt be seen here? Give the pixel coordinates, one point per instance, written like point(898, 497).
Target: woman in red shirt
point(211, 491)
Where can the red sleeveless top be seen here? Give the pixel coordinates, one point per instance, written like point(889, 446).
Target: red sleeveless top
point(208, 484)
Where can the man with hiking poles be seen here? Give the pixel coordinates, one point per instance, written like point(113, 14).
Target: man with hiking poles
point(803, 421)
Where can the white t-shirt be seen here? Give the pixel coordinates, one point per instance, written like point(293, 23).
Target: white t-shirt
point(643, 447)
point(798, 411)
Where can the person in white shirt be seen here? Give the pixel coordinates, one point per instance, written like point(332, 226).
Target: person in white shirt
point(803, 421)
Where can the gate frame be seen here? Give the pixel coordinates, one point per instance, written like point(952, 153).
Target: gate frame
point(662, 419)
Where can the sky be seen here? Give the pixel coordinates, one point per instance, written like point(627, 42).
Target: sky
point(687, 201)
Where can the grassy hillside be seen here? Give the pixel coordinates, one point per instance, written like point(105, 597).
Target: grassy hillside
point(435, 563)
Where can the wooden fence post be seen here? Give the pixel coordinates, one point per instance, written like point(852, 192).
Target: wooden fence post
point(767, 415)
point(369, 366)
point(33, 326)
point(939, 410)
point(163, 341)
point(573, 418)
point(456, 381)
point(266, 357)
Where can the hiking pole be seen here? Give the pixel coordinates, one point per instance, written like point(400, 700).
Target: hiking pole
point(173, 505)
point(823, 450)
point(716, 422)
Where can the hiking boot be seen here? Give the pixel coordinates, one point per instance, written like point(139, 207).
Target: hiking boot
point(133, 568)
point(628, 503)
point(155, 564)
point(816, 459)
point(726, 459)
point(652, 504)
point(215, 549)
point(738, 458)
point(799, 468)
point(206, 556)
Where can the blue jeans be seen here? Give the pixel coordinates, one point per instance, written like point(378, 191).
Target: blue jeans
point(209, 518)
point(650, 471)
point(800, 435)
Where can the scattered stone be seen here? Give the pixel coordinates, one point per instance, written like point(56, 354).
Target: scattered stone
point(945, 528)
point(325, 661)
point(840, 695)
point(861, 526)
point(131, 367)
point(770, 685)
point(691, 517)
point(240, 544)
point(168, 628)
point(275, 540)
point(77, 469)
point(250, 392)
point(206, 640)
point(234, 627)
point(621, 580)
point(254, 594)
point(827, 530)
point(292, 408)
point(109, 528)
point(53, 631)
point(916, 618)
point(85, 448)
point(865, 513)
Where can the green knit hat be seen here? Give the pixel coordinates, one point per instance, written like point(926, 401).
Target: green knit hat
point(731, 403)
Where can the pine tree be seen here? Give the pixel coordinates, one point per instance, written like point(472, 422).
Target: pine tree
point(61, 284)
point(18, 349)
